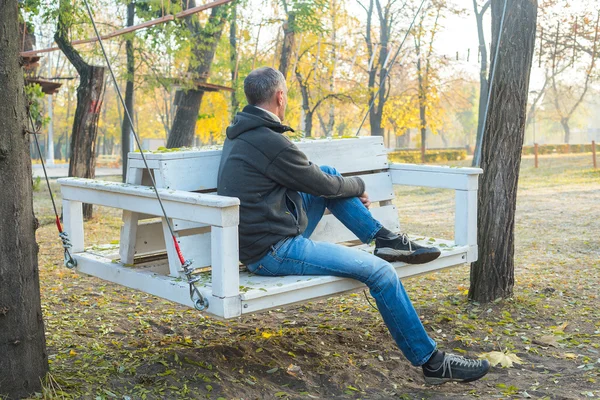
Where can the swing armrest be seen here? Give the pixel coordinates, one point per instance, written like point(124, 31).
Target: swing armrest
point(465, 183)
point(209, 209)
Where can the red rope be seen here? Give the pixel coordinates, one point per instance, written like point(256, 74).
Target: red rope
point(178, 250)
point(58, 225)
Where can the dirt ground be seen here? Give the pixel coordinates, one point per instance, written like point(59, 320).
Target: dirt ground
point(107, 342)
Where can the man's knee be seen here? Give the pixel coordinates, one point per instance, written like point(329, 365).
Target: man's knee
point(329, 170)
point(382, 276)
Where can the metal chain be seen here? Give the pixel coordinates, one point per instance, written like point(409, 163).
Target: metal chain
point(200, 303)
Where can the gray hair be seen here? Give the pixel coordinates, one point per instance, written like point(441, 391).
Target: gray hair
point(261, 85)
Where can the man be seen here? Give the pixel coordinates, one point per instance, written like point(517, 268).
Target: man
point(282, 198)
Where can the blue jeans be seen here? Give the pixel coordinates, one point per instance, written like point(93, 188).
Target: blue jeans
point(301, 256)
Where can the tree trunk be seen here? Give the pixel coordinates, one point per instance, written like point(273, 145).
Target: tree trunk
point(23, 358)
point(206, 39)
point(483, 82)
point(564, 122)
point(126, 128)
point(90, 95)
point(289, 42)
point(233, 59)
point(492, 276)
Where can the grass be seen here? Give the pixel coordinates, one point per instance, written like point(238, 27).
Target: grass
point(107, 342)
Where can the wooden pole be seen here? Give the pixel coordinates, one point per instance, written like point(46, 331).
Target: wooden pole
point(535, 152)
point(134, 28)
point(594, 154)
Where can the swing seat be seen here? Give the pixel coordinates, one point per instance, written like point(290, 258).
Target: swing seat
point(206, 224)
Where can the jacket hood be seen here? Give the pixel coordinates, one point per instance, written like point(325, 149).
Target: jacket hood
point(252, 117)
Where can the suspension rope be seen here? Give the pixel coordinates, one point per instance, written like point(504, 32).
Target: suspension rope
point(489, 96)
point(69, 261)
point(200, 303)
point(387, 71)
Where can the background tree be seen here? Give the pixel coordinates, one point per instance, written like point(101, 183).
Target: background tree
point(483, 82)
point(23, 357)
point(204, 44)
point(90, 95)
point(492, 276)
point(126, 128)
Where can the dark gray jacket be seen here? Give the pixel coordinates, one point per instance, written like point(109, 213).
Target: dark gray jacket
point(265, 170)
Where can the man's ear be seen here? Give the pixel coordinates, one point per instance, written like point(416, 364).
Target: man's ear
point(280, 98)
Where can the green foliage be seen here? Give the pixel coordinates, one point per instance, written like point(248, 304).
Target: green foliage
point(35, 97)
point(37, 184)
point(306, 15)
point(414, 156)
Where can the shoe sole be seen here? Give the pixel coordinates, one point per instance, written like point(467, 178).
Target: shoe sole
point(391, 255)
point(439, 381)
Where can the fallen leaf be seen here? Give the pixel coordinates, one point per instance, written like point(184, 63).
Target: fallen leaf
point(506, 360)
point(546, 340)
point(266, 335)
point(570, 356)
point(295, 371)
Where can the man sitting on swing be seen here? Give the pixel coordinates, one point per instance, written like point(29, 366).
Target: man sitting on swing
point(282, 198)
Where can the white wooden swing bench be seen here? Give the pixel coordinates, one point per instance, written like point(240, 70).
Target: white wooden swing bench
point(206, 225)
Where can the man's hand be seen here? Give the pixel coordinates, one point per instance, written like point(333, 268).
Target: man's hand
point(364, 198)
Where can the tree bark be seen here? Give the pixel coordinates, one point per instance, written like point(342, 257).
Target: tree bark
point(483, 82)
point(289, 42)
point(233, 59)
point(90, 95)
point(126, 128)
point(492, 276)
point(205, 41)
point(23, 358)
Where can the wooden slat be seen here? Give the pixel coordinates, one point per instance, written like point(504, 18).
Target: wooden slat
point(379, 186)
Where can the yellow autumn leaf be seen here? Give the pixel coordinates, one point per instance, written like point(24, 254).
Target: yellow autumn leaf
point(506, 360)
point(266, 335)
point(570, 356)
point(72, 353)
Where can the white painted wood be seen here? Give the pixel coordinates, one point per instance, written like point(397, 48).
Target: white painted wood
point(225, 262)
point(330, 229)
point(465, 224)
point(433, 176)
point(262, 293)
point(130, 221)
point(172, 256)
point(197, 170)
point(73, 224)
point(209, 209)
point(149, 239)
point(379, 186)
point(310, 288)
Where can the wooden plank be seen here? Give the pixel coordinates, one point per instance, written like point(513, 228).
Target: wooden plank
point(209, 209)
point(225, 262)
point(436, 177)
point(333, 231)
point(465, 220)
point(379, 186)
point(319, 287)
point(73, 224)
point(197, 170)
point(130, 222)
point(264, 292)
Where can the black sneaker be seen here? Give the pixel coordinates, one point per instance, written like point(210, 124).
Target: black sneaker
point(400, 248)
point(455, 368)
